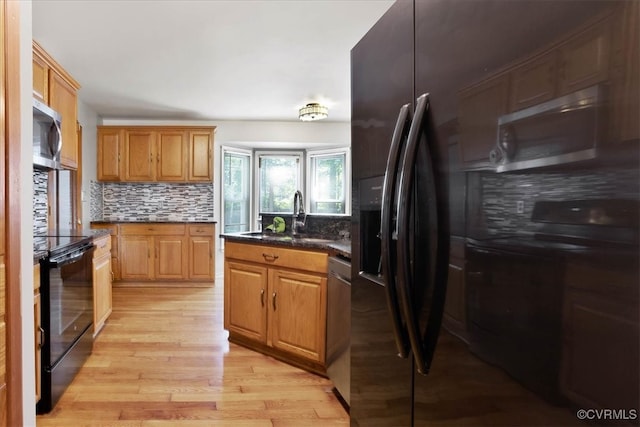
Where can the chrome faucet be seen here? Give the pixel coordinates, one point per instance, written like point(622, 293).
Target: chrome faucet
point(298, 210)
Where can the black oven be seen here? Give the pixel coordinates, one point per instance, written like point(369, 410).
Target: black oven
point(67, 314)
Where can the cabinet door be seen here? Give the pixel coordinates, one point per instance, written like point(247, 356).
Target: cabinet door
point(584, 59)
point(534, 82)
point(297, 310)
point(625, 79)
point(600, 354)
point(102, 300)
point(201, 258)
point(63, 99)
point(40, 79)
point(139, 150)
point(171, 157)
point(109, 151)
point(200, 155)
point(170, 257)
point(455, 318)
point(136, 260)
point(245, 300)
point(480, 108)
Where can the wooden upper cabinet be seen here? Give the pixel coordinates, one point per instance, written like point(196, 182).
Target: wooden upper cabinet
point(155, 154)
point(40, 79)
point(109, 154)
point(139, 155)
point(585, 58)
point(201, 155)
point(625, 73)
point(53, 85)
point(534, 82)
point(172, 156)
point(479, 109)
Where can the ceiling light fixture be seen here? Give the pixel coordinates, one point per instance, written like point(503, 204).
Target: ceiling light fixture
point(313, 111)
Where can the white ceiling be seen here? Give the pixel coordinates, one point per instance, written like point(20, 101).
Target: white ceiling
point(207, 59)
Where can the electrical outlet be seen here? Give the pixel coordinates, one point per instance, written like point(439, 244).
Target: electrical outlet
point(520, 206)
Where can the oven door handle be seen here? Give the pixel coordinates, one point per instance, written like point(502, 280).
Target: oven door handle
point(63, 260)
point(387, 231)
point(422, 345)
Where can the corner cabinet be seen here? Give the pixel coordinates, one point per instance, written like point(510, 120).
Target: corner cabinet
point(56, 88)
point(155, 154)
point(102, 282)
point(275, 302)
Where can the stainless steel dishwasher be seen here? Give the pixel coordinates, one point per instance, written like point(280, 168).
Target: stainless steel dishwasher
point(339, 325)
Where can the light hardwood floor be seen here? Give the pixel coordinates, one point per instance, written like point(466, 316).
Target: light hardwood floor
point(163, 359)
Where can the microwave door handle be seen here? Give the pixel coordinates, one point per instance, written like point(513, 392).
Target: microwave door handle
point(55, 139)
point(422, 347)
point(386, 229)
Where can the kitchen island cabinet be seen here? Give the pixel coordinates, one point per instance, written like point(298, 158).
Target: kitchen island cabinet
point(275, 301)
point(155, 153)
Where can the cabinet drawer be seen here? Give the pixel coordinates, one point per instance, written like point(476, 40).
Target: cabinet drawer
point(201, 230)
point(103, 246)
point(152, 229)
point(278, 256)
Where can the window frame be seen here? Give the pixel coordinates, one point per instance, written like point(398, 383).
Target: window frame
point(243, 152)
point(326, 152)
point(257, 155)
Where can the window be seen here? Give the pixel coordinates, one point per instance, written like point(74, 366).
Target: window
point(279, 176)
point(236, 191)
point(329, 177)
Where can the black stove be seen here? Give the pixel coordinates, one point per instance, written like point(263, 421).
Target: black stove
point(58, 241)
point(574, 226)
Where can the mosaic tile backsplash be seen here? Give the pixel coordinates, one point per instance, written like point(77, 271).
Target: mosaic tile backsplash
point(40, 201)
point(502, 192)
point(151, 202)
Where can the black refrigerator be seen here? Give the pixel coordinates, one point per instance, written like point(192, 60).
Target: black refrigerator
point(495, 214)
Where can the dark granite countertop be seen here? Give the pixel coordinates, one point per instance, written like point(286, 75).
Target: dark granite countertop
point(274, 239)
point(342, 247)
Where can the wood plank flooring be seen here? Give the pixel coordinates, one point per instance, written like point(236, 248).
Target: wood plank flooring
point(163, 359)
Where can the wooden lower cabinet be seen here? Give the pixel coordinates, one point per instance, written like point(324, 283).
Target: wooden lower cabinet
point(102, 283)
point(202, 251)
point(136, 262)
point(167, 252)
point(601, 351)
point(275, 306)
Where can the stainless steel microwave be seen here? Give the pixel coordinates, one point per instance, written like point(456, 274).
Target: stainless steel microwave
point(562, 130)
point(47, 137)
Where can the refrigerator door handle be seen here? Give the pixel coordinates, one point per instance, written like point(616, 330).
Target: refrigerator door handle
point(423, 346)
point(387, 253)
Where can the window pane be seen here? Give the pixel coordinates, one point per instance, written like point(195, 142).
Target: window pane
point(278, 183)
point(236, 192)
point(328, 183)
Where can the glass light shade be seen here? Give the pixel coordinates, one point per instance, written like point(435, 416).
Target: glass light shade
point(313, 111)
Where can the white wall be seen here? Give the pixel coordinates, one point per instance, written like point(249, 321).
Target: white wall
point(88, 120)
point(26, 224)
